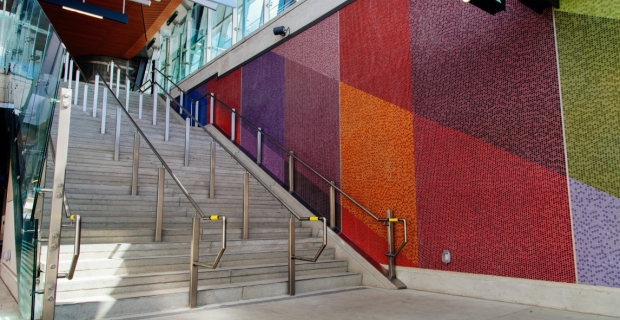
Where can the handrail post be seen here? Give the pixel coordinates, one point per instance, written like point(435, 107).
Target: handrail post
point(332, 205)
point(126, 93)
point(112, 75)
point(117, 137)
point(136, 162)
point(167, 132)
point(118, 80)
point(187, 122)
point(246, 205)
point(211, 108)
point(390, 238)
point(160, 204)
point(291, 172)
point(259, 146)
point(140, 106)
point(291, 256)
point(195, 255)
point(154, 104)
point(55, 223)
point(196, 110)
point(104, 108)
point(70, 84)
point(66, 67)
point(96, 95)
point(232, 125)
point(77, 86)
point(212, 172)
point(85, 98)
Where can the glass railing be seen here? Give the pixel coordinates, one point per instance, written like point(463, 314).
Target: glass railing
point(31, 57)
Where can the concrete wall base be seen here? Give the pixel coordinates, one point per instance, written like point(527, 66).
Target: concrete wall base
point(563, 296)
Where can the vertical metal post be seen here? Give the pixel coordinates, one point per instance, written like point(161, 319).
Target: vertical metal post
point(104, 108)
point(291, 256)
point(259, 146)
point(291, 172)
point(235, 24)
point(77, 86)
point(193, 268)
point(85, 98)
point(246, 205)
point(117, 136)
point(196, 110)
point(70, 84)
point(111, 75)
point(140, 106)
point(136, 162)
point(390, 237)
point(167, 133)
point(212, 172)
point(187, 122)
point(232, 125)
point(332, 205)
point(66, 66)
point(96, 96)
point(154, 104)
point(209, 33)
point(118, 80)
point(265, 11)
point(211, 108)
point(126, 93)
point(160, 204)
point(60, 164)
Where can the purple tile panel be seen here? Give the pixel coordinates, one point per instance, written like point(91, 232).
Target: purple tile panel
point(312, 125)
point(492, 77)
point(596, 224)
point(316, 48)
point(262, 101)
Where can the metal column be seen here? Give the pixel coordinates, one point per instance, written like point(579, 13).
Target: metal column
point(259, 146)
point(117, 137)
point(194, 258)
point(332, 205)
point(140, 106)
point(77, 86)
point(291, 256)
point(211, 109)
point(126, 93)
point(160, 204)
point(58, 189)
point(232, 125)
point(96, 96)
point(246, 205)
point(104, 108)
point(136, 163)
point(187, 125)
point(118, 80)
point(167, 132)
point(70, 83)
point(212, 172)
point(390, 238)
point(112, 75)
point(85, 97)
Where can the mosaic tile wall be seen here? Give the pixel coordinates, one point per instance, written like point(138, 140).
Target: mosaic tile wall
point(463, 136)
point(590, 76)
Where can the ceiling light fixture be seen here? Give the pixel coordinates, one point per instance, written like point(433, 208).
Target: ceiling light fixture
point(144, 2)
point(82, 12)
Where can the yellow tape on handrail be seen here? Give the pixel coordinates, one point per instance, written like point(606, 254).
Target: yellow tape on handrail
point(393, 219)
point(72, 218)
point(214, 217)
point(314, 219)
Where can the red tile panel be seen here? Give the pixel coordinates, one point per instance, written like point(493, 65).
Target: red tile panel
point(228, 90)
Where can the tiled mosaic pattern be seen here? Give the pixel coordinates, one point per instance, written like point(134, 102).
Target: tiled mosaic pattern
point(596, 216)
point(377, 167)
point(598, 8)
point(228, 90)
point(590, 74)
point(263, 104)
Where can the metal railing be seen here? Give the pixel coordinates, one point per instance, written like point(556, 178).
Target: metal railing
point(389, 221)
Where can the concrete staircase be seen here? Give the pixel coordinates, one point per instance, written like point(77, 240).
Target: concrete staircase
point(122, 271)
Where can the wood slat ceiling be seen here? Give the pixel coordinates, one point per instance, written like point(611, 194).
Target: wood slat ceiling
point(85, 35)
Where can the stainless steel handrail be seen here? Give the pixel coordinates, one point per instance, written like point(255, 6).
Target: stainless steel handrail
point(290, 154)
point(159, 157)
point(76, 248)
point(195, 256)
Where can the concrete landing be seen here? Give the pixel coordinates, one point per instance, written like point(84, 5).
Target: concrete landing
point(370, 303)
point(8, 306)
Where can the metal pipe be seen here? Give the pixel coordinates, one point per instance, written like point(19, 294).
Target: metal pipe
point(187, 125)
point(390, 239)
point(196, 111)
point(211, 107)
point(118, 80)
point(232, 125)
point(126, 93)
point(112, 75)
point(160, 204)
point(291, 256)
point(77, 86)
point(259, 146)
point(117, 133)
point(66, 66)
point(167, 132)
point(332, 206)
point(212, 172)
point(85, 98)
point(96, 95)
point(104, 108)
point(76, 249)
point(246, 205)
point(136, 162)
point(154, 105)
point(291, 173)
point(194, 259)
point(140, 106)
point(70, 85)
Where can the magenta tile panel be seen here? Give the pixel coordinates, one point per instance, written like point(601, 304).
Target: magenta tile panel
point(316, 48)
point(596, 224)
point(492, 77)
point(262, 101)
